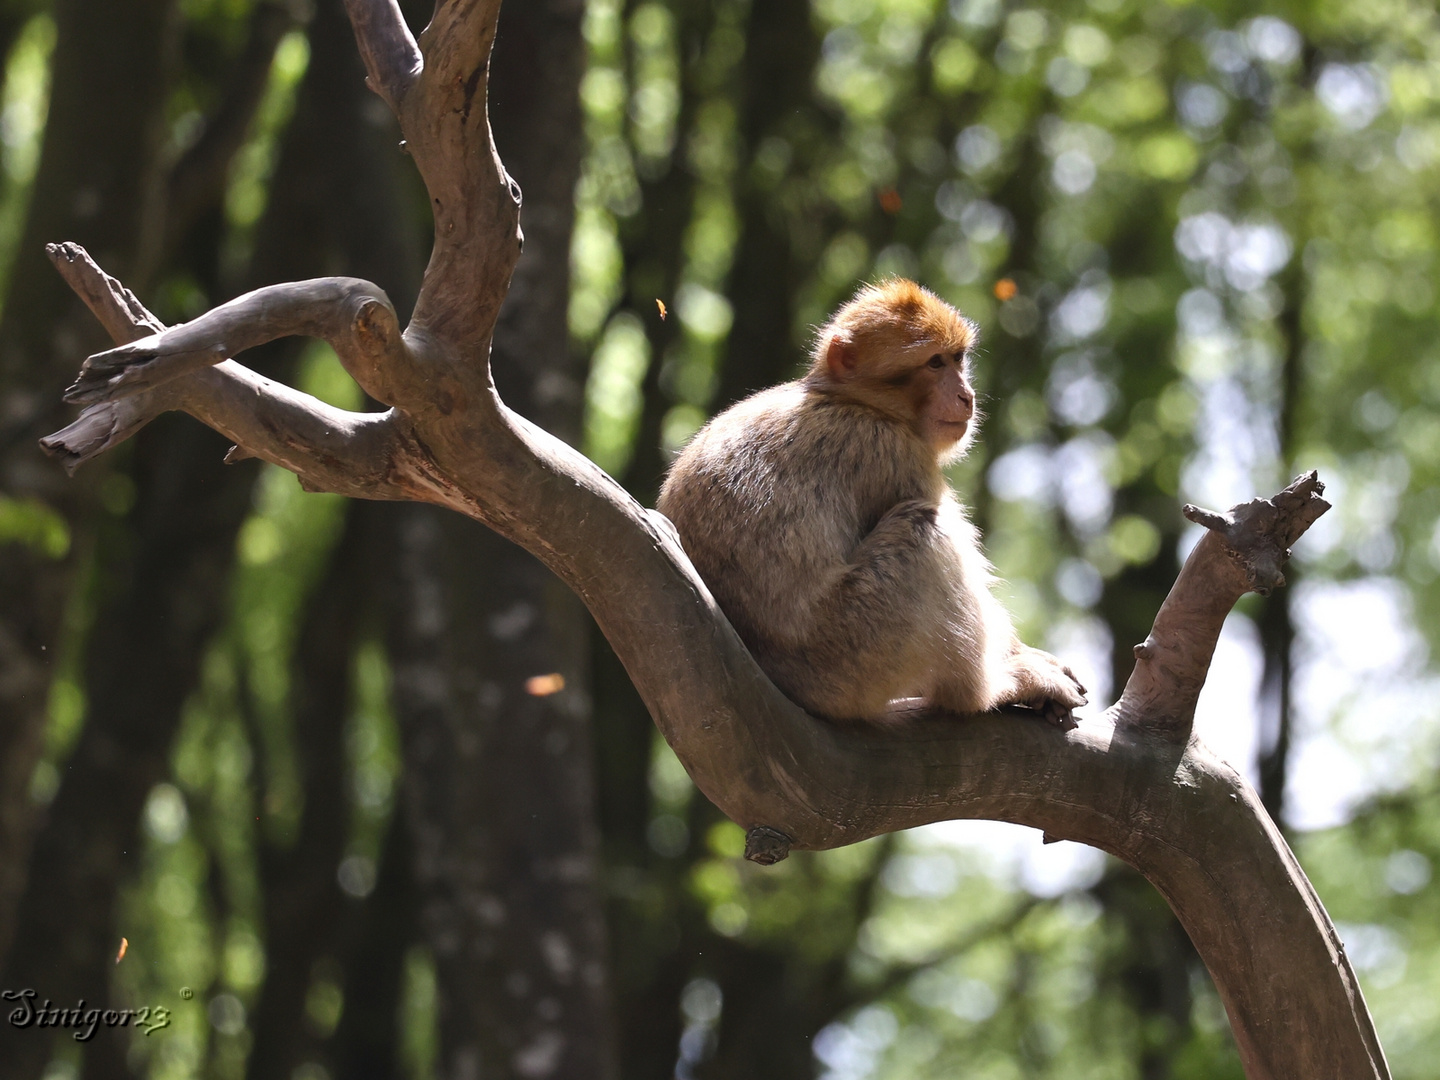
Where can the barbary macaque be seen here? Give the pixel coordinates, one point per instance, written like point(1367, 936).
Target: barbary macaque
point(818, 515)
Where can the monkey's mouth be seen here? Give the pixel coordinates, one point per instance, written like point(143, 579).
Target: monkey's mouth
point(946, 434)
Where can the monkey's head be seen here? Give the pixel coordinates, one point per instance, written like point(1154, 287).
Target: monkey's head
point(900, 349)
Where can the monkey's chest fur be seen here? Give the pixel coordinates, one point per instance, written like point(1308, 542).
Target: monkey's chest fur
point(830, 539)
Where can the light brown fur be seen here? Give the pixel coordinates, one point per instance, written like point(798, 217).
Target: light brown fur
point(818, 514)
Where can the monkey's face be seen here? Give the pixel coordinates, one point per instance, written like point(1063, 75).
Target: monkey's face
point(923, 384)
point(903, 351)
point(944, 401)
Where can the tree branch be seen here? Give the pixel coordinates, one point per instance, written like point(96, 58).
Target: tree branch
point(1133, 782)
point(391, 56)
point(1242, 551)
point(360, 454)
point(353, 316)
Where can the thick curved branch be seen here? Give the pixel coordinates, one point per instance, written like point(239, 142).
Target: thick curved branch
point(1133, 782)
point(1172, 809)
point(353, 316)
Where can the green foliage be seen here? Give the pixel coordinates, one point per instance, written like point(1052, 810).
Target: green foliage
point(1376, 877)
point(250, 174)
point(195, 917)
point(31, 523)
point(23, 104)
point(419, 1012)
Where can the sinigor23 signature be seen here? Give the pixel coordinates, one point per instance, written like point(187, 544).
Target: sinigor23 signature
point(85, 1022)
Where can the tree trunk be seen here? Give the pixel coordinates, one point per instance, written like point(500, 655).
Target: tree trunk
point(303, 906)
point(163, 577)
point(91, 183)
point(336, 200)
point(491, 670)
point(781, 52)
point(365, 1045)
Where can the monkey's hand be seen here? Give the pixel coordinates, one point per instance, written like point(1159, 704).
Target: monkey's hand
point(1046, 685)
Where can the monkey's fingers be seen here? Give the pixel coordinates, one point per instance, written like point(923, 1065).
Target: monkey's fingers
point(1058, 713)
point(1078, 685)
point(1070, 693)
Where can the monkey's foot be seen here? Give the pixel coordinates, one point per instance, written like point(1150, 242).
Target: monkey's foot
point(1045, 686)
point(1059, 714)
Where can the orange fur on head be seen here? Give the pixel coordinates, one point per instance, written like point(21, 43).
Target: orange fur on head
point(885, 320)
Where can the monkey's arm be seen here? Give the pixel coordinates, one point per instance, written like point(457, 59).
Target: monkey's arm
point(874, 628)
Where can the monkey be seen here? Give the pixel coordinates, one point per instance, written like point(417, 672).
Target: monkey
point(818, 515)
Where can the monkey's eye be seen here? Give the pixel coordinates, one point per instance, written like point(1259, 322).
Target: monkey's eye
point(936, 361)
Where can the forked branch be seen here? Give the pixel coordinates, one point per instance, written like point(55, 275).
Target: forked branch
point(329, 449)
point(1242, 551)
point(1134, 782)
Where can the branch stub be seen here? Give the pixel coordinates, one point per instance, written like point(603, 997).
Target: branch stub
point(765, 845)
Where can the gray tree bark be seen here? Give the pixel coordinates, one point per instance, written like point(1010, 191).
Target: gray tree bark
point(1134, 782)
point(499, 769)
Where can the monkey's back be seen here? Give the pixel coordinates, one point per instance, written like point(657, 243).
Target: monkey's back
point(772, 497)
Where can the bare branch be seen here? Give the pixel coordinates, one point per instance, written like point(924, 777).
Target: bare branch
point(363, 455)
point(123, 317)
point(101, 427)
point(366, 455)
point(386, 45)
point(475, 202)
point(1173, 810)
point(1242, 551)
point(353, 316)
point(458, 42)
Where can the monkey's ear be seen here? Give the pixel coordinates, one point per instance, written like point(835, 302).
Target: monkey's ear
point(841, 356)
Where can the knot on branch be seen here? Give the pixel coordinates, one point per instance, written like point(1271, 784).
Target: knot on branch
point(765, 845)
point(377, 328)
point(1258, 534)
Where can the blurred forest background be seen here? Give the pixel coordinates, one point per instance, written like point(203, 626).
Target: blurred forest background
point(363, 789)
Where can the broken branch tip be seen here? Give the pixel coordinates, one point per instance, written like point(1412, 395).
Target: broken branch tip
point(1208, 518)
point(765, 845)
